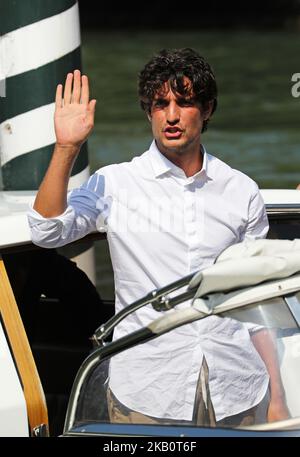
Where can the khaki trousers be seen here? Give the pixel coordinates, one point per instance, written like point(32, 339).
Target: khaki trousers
point(203, 414)
point(203, 410)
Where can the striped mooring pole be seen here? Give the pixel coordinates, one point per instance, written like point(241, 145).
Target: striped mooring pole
point(39, 44)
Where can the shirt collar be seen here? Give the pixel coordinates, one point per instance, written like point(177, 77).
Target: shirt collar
point(162, 165)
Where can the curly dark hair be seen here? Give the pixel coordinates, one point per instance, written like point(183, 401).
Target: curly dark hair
point(173, 65)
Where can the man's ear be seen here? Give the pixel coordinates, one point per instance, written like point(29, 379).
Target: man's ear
point(149, 117)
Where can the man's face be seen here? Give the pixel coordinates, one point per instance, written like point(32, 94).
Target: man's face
point(176, 121)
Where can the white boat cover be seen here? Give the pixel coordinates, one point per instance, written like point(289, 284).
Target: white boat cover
point(249, 263)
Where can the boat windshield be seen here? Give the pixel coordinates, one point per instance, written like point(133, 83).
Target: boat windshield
point(238, 369)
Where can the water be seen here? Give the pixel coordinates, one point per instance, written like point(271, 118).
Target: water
point(255, 128)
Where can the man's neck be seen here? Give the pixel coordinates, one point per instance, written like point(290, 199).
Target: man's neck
point(190, 163)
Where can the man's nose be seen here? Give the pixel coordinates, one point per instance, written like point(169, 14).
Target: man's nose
point(173, 113)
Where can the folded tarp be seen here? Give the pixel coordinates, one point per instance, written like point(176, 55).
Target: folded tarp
point(247, 264)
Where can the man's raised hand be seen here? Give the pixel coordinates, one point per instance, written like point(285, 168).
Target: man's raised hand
point(74, 113)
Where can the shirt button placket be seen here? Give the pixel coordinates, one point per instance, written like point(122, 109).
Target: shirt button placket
point(190, 223)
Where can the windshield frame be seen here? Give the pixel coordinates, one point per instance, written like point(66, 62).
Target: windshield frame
point(200, 309)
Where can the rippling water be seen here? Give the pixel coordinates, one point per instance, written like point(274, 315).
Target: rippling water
point(254, 129)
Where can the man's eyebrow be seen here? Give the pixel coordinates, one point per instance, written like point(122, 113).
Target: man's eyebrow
point(159, 98)
point(187, 98)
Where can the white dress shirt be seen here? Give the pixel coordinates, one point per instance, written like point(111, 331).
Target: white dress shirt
point(161, 226)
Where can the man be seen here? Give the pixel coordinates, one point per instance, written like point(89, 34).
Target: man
point(167, 213)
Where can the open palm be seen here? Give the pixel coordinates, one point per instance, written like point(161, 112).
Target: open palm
point(74, 113)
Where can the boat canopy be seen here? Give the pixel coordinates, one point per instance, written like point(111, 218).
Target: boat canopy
point(247, 264)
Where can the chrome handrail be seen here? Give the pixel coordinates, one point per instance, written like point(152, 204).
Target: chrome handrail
point(158, 298)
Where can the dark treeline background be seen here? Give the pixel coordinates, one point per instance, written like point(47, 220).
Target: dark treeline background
point(253, 47)
point(197, 14)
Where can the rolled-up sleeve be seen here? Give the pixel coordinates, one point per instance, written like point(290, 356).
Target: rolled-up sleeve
point(51, 232)
point(79, 218)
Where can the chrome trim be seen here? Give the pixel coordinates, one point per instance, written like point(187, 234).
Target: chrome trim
point(40, 431)
point(157, 298)
point(283, 208)
point(294, 307)
point(292, 423)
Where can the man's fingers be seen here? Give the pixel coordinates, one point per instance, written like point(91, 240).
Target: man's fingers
point(85, 90)
point(92, 106)
point(68, 88)
point(76, 87)
point(79, 94)
point(91, 111)
point(58, 96)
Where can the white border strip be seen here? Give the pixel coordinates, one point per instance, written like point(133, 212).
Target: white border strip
point(13, 411)
point(37, 44)
point(27, 132)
